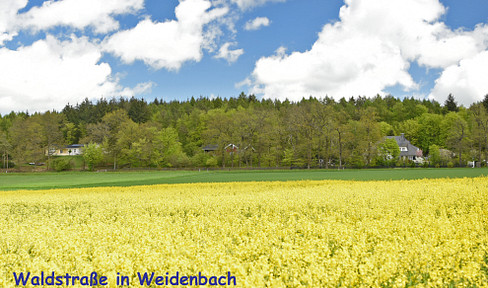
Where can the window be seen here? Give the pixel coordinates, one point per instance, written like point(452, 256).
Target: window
point(403, 149)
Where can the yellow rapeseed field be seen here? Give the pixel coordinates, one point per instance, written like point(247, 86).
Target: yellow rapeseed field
point(420, 233)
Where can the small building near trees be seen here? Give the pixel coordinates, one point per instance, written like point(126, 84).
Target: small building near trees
point(231, 148)
point(407, 150)
point(210, 148)
point(69, 150)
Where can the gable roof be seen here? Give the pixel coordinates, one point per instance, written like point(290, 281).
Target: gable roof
point(210, 148)
point(403, 142)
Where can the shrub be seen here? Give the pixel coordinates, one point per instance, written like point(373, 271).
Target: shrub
point(179, 160)
point(435, 154)
point(399, 163)
point(62, 164)
point(199, 159)
point(450, 164)
point(211, 162)
point(92, 154)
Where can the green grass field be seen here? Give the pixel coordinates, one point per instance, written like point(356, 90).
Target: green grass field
point(16, 181)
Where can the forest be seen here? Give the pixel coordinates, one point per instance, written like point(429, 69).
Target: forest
point(246, 132)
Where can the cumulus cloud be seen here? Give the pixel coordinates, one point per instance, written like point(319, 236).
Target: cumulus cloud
point(364, 69)
point(50, 73)
point(466, 81)
point(230, 55)
point(257, 23)
point(8, 12)
point(247, 4)
point(369, 49)
point(77, 14)
point(166, 44)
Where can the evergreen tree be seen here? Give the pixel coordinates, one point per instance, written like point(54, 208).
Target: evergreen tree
point(138, 111)
point(485, 102)
point(451, 104)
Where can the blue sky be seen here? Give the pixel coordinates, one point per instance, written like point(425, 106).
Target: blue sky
point(58, 52)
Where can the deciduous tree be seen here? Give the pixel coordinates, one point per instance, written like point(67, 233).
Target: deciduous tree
point(93, 155)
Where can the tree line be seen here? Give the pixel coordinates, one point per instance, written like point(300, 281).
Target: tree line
point(310, 133)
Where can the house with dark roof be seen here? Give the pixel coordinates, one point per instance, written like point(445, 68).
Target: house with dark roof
point(210, 148)
point(407, 150)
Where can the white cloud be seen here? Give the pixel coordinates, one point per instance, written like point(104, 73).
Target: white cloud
point(257, 23)
point(466, 81)
point(143, 88)
point(78, 14)
point(247, 4)
point(368, 50)
point(50, 73)
point(8, 12)
point(230, 55)
point(168, 44)
point(245, 82)
point(359, 66)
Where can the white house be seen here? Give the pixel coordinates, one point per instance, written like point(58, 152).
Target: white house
point(74, 149)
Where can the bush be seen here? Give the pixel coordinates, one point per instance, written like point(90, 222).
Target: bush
point(435, 154)
point(92, 154)
point(211, 162)
point(450, 165)
point(199, 159)
point(357, 161)
point(400, 163)
point(179, 160)
point(62, 164)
